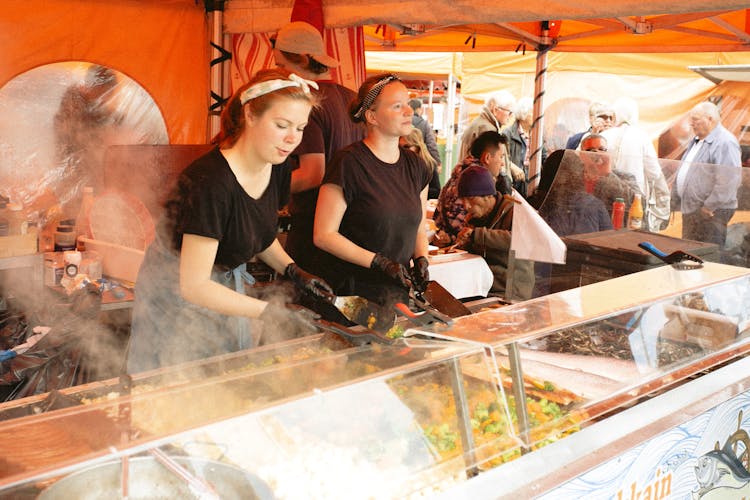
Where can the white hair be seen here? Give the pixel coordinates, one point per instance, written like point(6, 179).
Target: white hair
point(501, 98)
point(524, 108)
point(626, 111)
point(597, 108)
point(707, 108)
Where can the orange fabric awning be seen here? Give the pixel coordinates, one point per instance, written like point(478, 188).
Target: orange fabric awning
point(162, 45)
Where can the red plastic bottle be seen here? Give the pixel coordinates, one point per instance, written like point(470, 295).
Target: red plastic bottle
point(618, 213)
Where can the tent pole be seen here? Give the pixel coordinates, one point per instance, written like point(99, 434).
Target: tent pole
point(537, 126)
point(450, 126)
point(226, 74)
point(219, 55)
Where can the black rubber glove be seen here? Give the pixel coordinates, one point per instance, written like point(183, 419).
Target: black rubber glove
point(395, 271)
point(420, 275)
point(315, 286)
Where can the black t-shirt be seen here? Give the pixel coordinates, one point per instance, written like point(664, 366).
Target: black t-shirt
point(208, 201)
point(384, 208)
point(329, 129)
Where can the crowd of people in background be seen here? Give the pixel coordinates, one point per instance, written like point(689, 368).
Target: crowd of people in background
point(360, 168)
point(617, 159)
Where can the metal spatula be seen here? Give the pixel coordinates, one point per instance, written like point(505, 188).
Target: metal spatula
point(677, 259)
point(365, 312)
point(441, 299)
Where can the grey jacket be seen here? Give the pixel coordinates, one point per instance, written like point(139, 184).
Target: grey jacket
point(482, 123)
point(714, 176)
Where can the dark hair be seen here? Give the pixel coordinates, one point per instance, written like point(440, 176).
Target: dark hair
point(415, 104)
point(487, 142)
point(367, 95)
point(306, 62)
point(233, 117)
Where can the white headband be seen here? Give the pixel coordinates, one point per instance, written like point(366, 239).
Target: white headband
point(266, 87)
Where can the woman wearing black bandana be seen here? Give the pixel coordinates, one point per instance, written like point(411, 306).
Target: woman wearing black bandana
point(371, 209)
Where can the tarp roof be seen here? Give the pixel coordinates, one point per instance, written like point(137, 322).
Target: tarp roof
point(713, 31)
point(454, 25)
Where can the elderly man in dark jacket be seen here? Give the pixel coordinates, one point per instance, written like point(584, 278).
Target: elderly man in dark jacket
point(488, 233)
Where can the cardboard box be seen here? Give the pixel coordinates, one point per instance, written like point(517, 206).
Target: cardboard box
point(21, 244)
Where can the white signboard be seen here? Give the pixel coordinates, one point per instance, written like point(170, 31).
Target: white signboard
point(705, 458)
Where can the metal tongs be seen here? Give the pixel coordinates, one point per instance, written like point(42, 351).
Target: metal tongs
point(677, 259)
point(197, 485)
point(428, 315)
point(357, 336)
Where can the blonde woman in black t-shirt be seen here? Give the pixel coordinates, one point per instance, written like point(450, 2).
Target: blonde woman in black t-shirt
point(370, 214)
point(190, 301)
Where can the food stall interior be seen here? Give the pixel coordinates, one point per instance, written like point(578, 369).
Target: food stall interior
point(425, 414)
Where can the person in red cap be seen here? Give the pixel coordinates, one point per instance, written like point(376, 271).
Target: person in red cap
point(487, 232)
point(299, 48)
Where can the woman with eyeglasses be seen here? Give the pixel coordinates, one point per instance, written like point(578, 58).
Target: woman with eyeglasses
point(371, 209)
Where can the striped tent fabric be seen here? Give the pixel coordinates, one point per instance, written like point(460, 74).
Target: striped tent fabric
point(252, 52)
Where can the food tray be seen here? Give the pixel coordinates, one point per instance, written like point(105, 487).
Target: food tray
point(446, 257)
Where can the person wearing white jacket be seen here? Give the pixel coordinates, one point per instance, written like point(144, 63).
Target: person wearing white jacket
point(633, 153)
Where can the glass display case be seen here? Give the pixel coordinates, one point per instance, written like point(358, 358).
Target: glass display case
point(396, 418)
point(415, 418)
point(294, 350)
point(600, 347)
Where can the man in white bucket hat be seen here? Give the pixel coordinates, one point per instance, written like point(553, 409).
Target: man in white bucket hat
point(299, 47)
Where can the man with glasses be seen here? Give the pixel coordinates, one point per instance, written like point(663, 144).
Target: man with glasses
point(496, 113)
point(600, 179)
point(488, 232)
point(705, 190)
point(601, 117)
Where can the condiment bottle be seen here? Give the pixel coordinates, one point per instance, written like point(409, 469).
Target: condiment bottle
point(65, 238)
point(71, 261)
point(47, 225)
point(82, 220)
point(618, 213)
point(635, 214)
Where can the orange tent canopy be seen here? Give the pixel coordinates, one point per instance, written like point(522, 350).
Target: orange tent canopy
point(161, 44)
point(486, 25)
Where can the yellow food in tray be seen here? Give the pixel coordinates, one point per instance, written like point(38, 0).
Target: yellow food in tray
point(435, 411)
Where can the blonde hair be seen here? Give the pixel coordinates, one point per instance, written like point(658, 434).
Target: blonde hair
point(233, 116)
point(415, 139)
